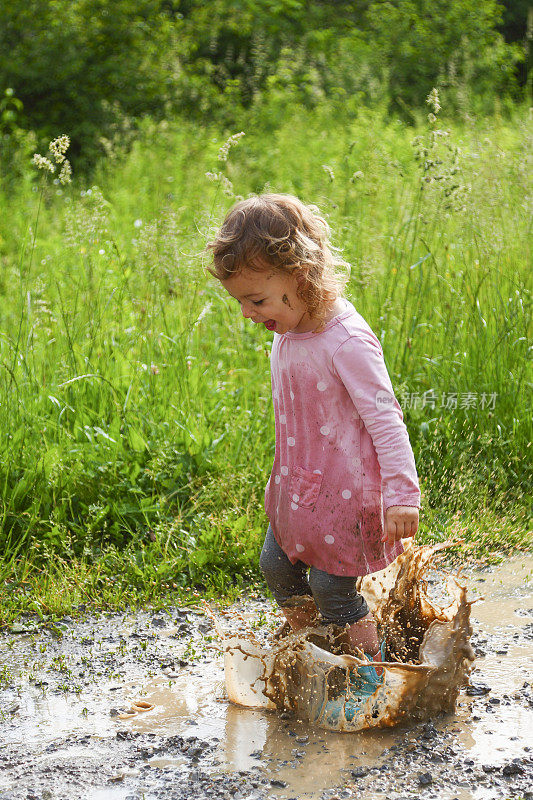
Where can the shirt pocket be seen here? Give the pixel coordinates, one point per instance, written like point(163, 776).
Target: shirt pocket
point(304, 487)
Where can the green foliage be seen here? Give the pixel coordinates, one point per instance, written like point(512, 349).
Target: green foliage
point(238, 54)
point(428, 43)
point(517, 16)
point(93, 70)
point(16, 144)
point(84, 67)
point(136, 410)
point(238, 48)
point(514, 19)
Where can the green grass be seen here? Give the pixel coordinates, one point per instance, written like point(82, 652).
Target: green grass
point(136, 414)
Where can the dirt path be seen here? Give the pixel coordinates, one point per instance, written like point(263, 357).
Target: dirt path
point(61, 735)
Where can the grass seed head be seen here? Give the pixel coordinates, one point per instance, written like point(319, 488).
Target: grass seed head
point(41, 162)
point(66, 172)
point(58, 147)
point(56, 155)
point(234, 139)
point(433, 101)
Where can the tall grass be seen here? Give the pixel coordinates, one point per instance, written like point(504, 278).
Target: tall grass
point(136, 414)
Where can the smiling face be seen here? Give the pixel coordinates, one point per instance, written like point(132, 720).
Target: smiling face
point(270, 298)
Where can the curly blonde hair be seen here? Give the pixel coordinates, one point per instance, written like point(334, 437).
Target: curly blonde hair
point(279, 232)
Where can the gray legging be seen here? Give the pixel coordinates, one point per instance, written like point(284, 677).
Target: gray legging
point(335, 596)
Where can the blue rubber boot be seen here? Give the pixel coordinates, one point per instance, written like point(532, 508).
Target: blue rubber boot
point(363, 681)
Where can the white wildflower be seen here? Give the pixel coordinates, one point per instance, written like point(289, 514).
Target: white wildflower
point(43, 163)
point(433, 100)
point(329, 172)
point(219, 177)
point(58, 147)
point(203, 313)
point(227, 186)
point(226, 147)
point(357, 176)
point(66, 172)
point(138, 223)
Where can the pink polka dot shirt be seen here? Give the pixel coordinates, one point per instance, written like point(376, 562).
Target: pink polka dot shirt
point(343, 454)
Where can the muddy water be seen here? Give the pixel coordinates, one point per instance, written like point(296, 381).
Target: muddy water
point(72, 743)
point(505, 662)
point(428, 656)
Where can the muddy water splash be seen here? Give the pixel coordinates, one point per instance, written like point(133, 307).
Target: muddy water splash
point(429, 656)
point(70, 745)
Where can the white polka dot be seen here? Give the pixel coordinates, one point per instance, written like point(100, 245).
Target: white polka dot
point(300, 548)
point(359, 393)
point(317, 472)
point(346, 494)
point(291, 441)
point(302, 350)
point(294, 506)
point(282, 419)
point(321, 386)
point(284, 470)
point(291, 395)
point(356, 462)
point(329, 539)
point(324, 430)
point(296, 497)
point(277, 479)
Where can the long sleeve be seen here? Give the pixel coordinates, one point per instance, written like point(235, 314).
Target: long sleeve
point(359, 364)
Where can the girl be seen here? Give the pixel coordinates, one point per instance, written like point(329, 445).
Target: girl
point(343, 489)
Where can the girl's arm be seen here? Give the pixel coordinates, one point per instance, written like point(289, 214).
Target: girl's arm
point(360, 365)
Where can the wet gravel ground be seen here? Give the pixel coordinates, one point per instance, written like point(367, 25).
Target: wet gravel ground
point(64, 688)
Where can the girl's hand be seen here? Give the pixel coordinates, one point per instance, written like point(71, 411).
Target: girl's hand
point(400, 522)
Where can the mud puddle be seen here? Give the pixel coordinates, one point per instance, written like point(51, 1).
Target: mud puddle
point(61, 735)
